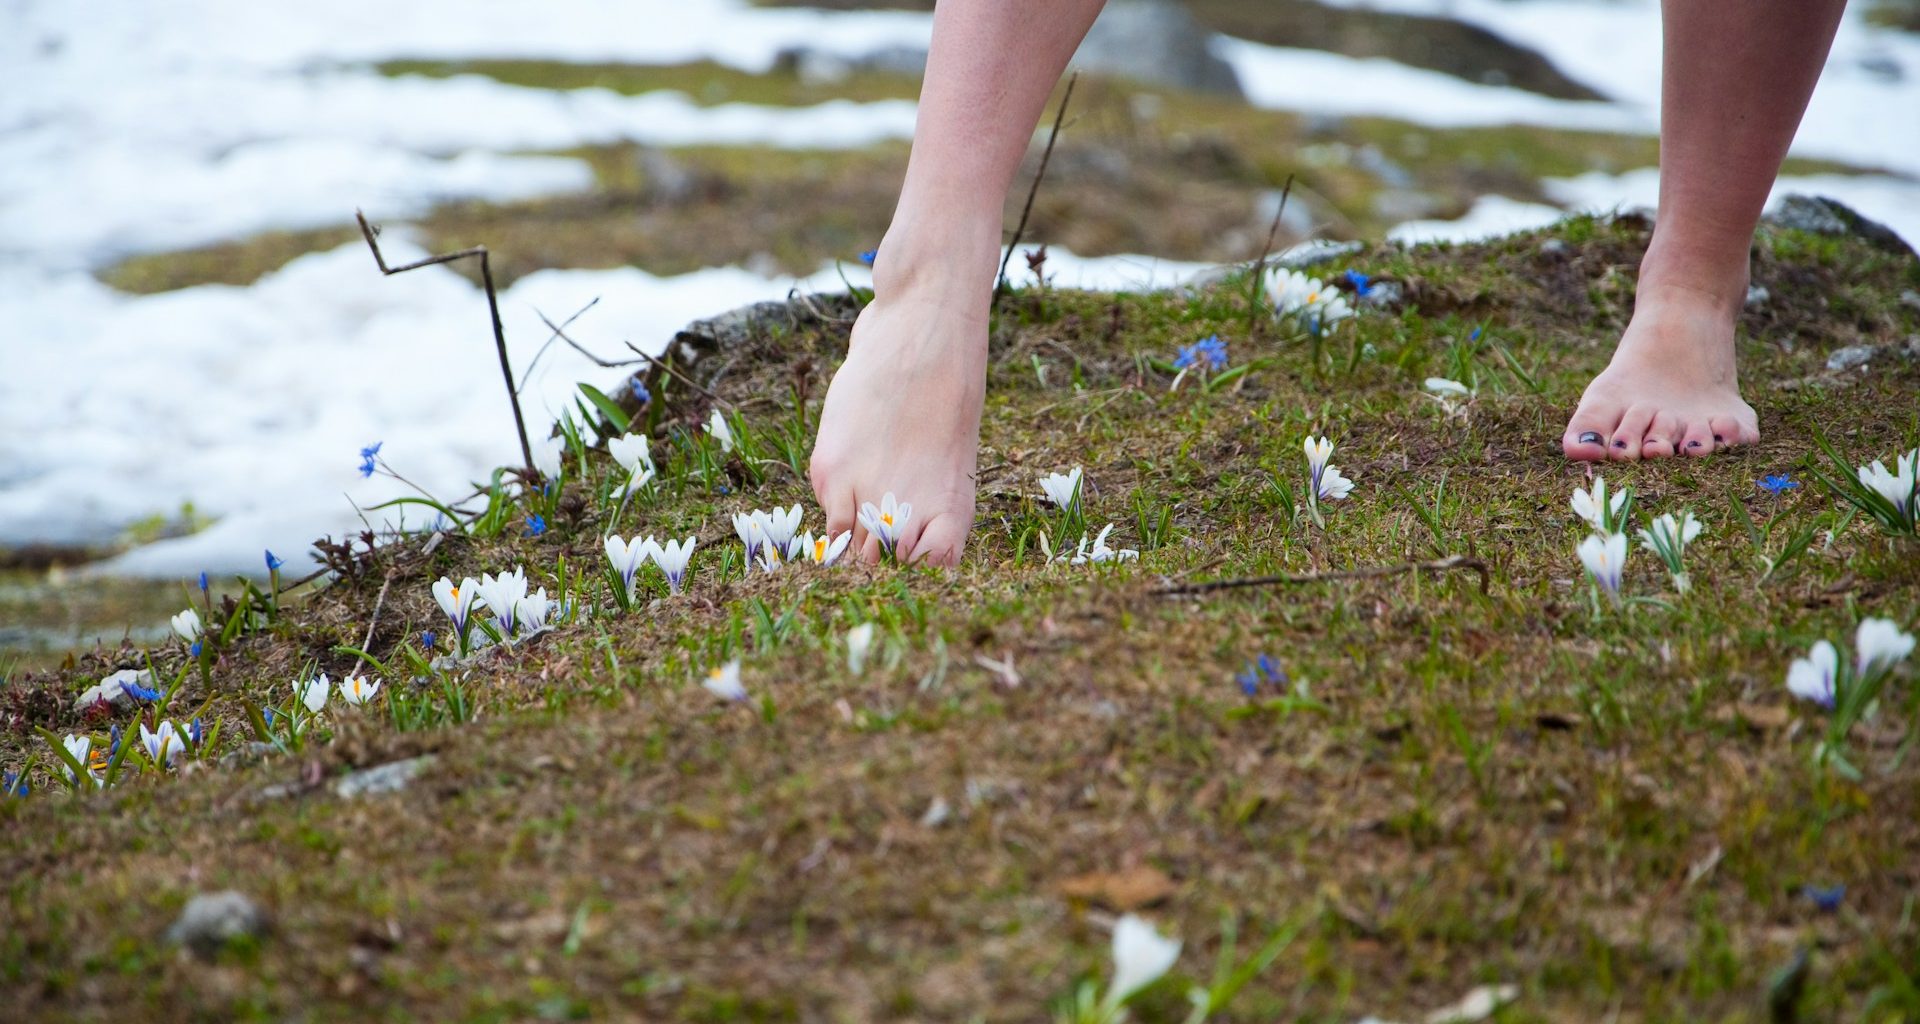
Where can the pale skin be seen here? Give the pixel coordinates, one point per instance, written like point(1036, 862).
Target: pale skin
point(903, 412)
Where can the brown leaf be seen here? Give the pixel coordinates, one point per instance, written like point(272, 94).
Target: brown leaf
point(1758, 717)
point(1130, 889)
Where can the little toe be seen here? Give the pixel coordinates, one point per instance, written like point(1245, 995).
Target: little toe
point(1630, 436)
point(1727, 431)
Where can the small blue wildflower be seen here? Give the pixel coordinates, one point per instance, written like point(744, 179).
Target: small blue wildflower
point(273, 563)
point(1361, 283)
point(1475, 335)
point(1210, 350)
point(113, 741)
point(203, 583)
point(197, 733)
point(269, 714)
point(367, 456)
point(1263, 669)
point(1827, 898)
point(195, 649)
point(640, 391)
point(14, 785)
point(1776, 483)
point(536, 525)
point(140, 693)
point(868, 256)
point(426, 639)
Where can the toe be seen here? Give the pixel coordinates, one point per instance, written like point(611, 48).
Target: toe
point(1631, 435)
point(1698, 440)
point(942, 542)
point(1588, 431)
point(1728, 431)
point(1663, 437)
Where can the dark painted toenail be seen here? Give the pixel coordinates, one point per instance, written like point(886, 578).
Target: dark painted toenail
point(1693, 444)
point(1619, 444)
point(1719, 439)
point(1590, 437)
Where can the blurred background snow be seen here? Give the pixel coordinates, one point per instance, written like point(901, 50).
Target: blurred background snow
point(197, 346)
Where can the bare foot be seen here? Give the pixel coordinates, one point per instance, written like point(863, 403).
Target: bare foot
point(903, 415)
point(1672, 387)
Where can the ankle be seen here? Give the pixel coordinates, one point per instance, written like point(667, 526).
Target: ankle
point(1674, 275)
point(949, 260)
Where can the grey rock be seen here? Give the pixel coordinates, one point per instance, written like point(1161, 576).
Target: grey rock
point(391, 777)
point(938, 813)
point(1554, 247)
point(1758, 296)
point(1314, 253)
point(1384, 295)
point(212, 920)
point(113, 690)
point(1369, 159)
point(1910, 299)
point(1851, 356)
point(1825, 216)
point(1396, 205)
point(1156, 42)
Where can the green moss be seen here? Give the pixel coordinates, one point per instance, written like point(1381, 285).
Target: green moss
point(705, 82)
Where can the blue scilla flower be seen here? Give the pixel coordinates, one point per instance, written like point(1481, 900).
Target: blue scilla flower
point(273, 563)
point(426, 639)
point(197, 733)
point(367, 456)
point(1209, 350)
point(869, 256)
point(536, 525)
point(140, 693)
point(1261, 670)
point(640, 391)
point(1474, 335)
point(195, 649)
point(1776, 483)
point(113, 741)
point(203, 583)
point(1361, 283)
point(1827, 897)
point(14, 784)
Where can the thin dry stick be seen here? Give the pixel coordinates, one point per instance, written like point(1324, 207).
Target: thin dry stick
point(1000, 283)
point(614, 364)
point(551, 338)
point(374, 620)
point(1273, 230)
point(1366, 573)
point(493, 307)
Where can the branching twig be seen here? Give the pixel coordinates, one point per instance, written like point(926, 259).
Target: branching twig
point(1000, 282)
point(551, 338)
point(1365, 573)
point(1273, 230)
point(373, 621)
point(493, 307)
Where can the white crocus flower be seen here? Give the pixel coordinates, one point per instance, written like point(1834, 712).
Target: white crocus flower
point(717, 427)
point(859, 642)
point(313, 692)
point(357, 689)
point(1319, 450)
point(1063, 489)
point(887, 522)
point(502, 595)
point(1100, 552)
point(627, 557)
point(532, 610)
point(1448, 387)
point(1327, 308)
point(825, 549)
point(1812, 677)
point(632, 453)
point(771, 558)
point(1668, 538)
point(1140, 956)
point(1898, 485)
point(672, 558)
point(187, 625)
point(1605, 559)
point(164, 745)
point(1879, 645)
point(81, 747)
point(724, 682)
point(1333, 486)
point(1596, 507)
point(457, 602)
point(752, 529)
point(549, 455)
point(1290, 291)
point(782, 524)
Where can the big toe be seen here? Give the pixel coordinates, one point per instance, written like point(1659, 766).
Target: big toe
point(1588, 431)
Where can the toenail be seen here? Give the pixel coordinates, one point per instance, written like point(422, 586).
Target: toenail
point(1590, 437)
point(1693, 444)
point(1719, 439)
point(1619, 444)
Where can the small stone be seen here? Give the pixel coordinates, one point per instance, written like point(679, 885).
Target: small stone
point(113, 690)
point(1824, 216)
point(1758, 296)
point(212, 920)
point(1314, 253)
point(937, 813)
point(1850, 357)
point(1553, 247)
point(1384, 295)
point(391, 777)
point(1910, 299)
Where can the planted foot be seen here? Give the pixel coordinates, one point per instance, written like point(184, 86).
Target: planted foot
point(1671, 389)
